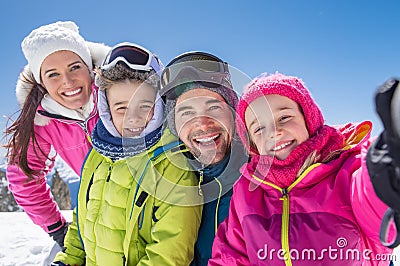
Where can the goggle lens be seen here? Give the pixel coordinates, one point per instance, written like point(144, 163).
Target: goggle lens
point(200, 61)
point(133, 55)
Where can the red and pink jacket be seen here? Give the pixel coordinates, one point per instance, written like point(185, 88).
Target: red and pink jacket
point(55, 134)
point(329, 216)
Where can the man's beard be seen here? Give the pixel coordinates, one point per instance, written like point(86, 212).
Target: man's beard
point(210, 154)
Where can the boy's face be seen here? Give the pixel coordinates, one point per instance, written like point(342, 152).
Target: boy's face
point(275, 125)
point(204, 122)
point(131, 105)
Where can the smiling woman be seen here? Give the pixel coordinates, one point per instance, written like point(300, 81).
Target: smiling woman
point(67, 79)
point(57, 99)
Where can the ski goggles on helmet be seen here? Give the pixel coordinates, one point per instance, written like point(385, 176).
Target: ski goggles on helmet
point(199, 67)
point(134, 56)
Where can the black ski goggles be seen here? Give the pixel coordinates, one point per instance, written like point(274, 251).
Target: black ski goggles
point(199, 67)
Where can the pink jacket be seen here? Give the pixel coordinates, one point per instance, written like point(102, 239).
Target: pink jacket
point(329, 216)
point(68, 138)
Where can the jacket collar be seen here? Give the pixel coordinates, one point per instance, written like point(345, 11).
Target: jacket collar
point(49, 109)
point(219, 178)
point(53, 107)
point(119, 148)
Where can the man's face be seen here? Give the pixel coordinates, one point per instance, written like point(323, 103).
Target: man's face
point(205, 123)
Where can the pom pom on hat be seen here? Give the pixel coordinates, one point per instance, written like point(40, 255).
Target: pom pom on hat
point(288, 86)
point(47, 39)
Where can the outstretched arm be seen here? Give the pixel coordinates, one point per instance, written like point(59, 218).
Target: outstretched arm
point(383, 159)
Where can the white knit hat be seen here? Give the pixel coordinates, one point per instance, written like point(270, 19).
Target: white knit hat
point(47, 39)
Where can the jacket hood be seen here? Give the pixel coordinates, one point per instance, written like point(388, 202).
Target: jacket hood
point(355, 134)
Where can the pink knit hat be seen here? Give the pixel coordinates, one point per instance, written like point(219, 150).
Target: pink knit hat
point(288, 86)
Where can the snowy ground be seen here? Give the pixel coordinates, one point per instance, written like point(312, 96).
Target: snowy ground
point(23, 243)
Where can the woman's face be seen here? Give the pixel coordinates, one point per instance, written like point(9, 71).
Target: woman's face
point(276, 125)
point(67, 79)
point(131, 106)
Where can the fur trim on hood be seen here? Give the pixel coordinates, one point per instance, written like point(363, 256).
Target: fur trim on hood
point(98, 52)
point(23, 87)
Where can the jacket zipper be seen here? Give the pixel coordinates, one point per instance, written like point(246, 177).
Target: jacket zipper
point(200, 181)
point(108, 173)
point(217, 206)
point(286, 210)
point(285, 227)
point(83, 125)
point(130, 228)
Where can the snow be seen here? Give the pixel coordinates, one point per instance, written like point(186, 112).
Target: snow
point(22, 242)
point(68, 176)
point(65, 172)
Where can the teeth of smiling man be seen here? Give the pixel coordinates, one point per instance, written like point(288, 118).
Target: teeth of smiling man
point(207, 139)
point(70, 93)
point(277, 148)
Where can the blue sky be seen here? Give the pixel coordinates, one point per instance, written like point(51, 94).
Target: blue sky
point(341, 49)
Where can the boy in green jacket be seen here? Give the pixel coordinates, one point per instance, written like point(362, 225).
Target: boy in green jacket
point(138, 202)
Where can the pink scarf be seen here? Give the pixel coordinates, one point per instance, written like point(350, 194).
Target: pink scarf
point(284, 172)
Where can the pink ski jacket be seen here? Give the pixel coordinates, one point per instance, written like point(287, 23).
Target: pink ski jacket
point(329, 216)
point(55, 134)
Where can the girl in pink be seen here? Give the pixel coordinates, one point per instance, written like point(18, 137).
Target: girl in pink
point(305, 197)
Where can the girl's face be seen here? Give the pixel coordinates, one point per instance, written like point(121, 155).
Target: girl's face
point(67, 79)
point(276, 125)
point(131, 105)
